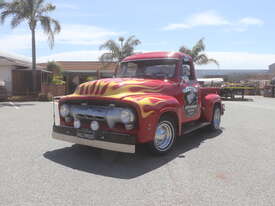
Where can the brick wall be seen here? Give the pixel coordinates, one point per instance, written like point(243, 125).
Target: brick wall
point(55, 90)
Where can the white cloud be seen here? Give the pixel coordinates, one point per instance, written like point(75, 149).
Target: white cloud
point(212, 18)
point(251, 21)
point(20, 39)
point(84, 55)
point(176, 26)
point(83, 35)
point(208, 18)
point(240, 60)
point(14, 42)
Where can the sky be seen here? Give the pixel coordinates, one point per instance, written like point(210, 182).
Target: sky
point(239, 34)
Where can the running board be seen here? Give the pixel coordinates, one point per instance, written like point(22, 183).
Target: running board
point(192, 127)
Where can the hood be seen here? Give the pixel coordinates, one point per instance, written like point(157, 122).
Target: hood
point(123, 87)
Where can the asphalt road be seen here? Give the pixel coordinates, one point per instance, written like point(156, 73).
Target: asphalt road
point(232, 167)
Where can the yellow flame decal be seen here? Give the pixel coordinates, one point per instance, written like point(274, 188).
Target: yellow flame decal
point(146, 101)
point(116, 89)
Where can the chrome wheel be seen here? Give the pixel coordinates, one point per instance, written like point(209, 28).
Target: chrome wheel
point(164, 136)
point(217, 118)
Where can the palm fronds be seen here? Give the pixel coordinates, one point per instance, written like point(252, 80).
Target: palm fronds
point(197, 54)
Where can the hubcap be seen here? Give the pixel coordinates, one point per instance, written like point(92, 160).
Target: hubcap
point(164, 136)
point(217, 118)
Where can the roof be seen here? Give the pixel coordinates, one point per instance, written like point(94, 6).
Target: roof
point(15, 60)
point(85, 66)
point(156, 55)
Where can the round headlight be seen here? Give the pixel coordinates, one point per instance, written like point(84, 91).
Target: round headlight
point(64, 110)
point(127, 116)
point(94, 125)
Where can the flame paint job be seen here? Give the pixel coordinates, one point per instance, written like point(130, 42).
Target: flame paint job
point(119, 88)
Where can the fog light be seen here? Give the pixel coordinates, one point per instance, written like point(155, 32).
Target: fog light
point(77, 123)
point(94, 125)
point(64, 110)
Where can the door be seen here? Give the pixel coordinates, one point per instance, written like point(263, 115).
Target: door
point(190, 92)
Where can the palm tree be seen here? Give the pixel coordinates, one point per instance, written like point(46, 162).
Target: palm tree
point(197, 53)
point(33, 12)
point(118, 50)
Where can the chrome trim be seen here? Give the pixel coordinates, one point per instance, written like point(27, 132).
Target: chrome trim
point(95, 143)
point(164, 136)
point(110, 114)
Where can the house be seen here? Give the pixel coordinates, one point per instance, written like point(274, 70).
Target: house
point(16, 73)
point(7, 64)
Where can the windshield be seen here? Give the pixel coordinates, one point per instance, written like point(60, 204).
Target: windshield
point(153, 69)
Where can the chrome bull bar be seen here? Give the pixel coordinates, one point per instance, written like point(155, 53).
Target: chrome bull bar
point(108, 113)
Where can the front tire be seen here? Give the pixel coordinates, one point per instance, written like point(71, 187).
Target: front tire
point(165, 136)
point(216, 118)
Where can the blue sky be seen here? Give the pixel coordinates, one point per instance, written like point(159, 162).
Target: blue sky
point(239, 34)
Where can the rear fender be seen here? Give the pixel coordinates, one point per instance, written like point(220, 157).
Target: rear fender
point(208, 104)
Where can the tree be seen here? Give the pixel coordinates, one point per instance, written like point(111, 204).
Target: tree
point(54, 67)
point(118, 50)
point(57, 70)
point(33, 12)
point(197, 53)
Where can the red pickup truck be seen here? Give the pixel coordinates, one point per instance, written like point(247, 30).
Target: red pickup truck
point(154, 98)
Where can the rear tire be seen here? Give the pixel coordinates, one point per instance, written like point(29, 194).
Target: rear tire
point(165, 136)
point(216, 118)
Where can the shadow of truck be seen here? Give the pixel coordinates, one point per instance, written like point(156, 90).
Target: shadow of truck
point(121, 165)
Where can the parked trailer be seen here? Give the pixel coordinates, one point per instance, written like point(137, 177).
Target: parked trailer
point(231, 92)
point(269, 91)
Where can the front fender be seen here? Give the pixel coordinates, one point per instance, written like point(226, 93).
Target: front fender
point(208, 105)
point(151, 107)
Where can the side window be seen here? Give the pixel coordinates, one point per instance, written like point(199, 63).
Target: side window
point(127, 69)
point(132, 69)
point(185, 72)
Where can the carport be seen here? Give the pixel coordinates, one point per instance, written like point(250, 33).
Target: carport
point(22, 81)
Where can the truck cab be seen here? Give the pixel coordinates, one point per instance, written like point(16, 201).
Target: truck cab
point(153, 99)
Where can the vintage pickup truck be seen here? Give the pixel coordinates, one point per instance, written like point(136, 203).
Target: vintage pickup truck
point(152, 99)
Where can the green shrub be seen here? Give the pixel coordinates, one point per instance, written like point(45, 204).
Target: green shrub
point(90, 78)
point(58, 80)
point(54, 67)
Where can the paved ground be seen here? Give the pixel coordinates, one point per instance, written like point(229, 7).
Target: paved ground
point(233, 167)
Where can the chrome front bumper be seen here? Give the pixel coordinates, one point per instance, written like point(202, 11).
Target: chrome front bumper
point(103, 140)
